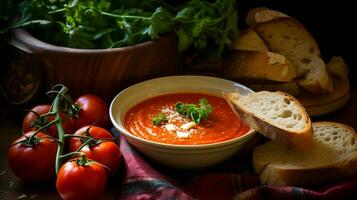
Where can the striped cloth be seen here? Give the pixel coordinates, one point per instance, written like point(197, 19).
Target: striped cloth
point(144, 180)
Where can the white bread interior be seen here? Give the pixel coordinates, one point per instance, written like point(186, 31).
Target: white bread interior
point(332, 156)
point(276, 115)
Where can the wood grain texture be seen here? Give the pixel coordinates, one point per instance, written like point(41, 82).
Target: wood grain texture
point(101, 71)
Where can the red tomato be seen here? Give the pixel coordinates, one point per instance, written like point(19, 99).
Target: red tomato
point(31, 122)
point(95, 131)
point(106, 153)
point(92, 110)
point(33, 162)
point(81, 181)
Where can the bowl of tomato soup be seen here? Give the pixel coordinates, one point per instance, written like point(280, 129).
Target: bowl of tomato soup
point(181, 121)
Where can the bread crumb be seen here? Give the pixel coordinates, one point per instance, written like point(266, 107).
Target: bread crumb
point(275, 58)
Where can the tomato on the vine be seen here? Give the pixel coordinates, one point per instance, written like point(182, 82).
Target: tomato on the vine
point(106, 153)
point(92, 110)
point(101, 148)
point(33, 122)
point(81, 179)
point(94, 131)
point(33, 159)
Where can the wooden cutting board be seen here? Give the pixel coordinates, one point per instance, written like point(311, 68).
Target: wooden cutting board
point(320, 104)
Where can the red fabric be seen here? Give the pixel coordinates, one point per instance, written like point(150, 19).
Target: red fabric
point(145, 180)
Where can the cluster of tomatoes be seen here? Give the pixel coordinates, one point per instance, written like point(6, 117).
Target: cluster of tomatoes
point(91, 153)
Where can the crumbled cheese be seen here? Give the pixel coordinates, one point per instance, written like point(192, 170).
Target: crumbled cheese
point(166, 110)
point(170, 127)
point(193, 131)
point(188, 125)
point(181, 134)
point(173, 115)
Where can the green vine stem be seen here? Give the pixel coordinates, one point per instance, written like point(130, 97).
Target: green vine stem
point(55, 109)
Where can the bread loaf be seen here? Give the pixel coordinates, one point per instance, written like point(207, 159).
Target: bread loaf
point(276, 115)
point(249, 40)
point(332, 156)
point(288, 37)
point(240, 64)
point(262, 14)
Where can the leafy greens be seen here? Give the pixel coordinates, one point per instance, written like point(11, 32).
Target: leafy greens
point(90, 24)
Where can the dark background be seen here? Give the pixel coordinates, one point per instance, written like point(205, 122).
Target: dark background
point(332, 24)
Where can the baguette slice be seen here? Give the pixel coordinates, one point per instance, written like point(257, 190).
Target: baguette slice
point(240, 64)
point(249, 40)
point(316, 79)
point(333, 156)
point(276, 115)
point(288, 37)
point(262, 14)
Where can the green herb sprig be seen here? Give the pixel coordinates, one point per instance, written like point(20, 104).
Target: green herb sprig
point(203, 25)
point(196, 112)
point(159, 119)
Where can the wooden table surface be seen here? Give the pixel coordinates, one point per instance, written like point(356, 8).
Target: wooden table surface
point(12, 188)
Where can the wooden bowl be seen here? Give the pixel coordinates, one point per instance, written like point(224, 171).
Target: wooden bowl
point(103, 72)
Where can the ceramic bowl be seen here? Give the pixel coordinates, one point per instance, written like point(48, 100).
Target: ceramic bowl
point(103, 72)
point(177, 156)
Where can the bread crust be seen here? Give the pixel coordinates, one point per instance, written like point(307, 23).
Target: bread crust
point(290, 38)
point(262, 14)
point(241, 64)
point(274, 174)
point(298, 139)
point(249, 40)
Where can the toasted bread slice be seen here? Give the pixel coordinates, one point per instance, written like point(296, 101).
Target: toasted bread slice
point(240, 64)
point(288, 37)
point(332, 156)
point(249, 40)
point(276, 115)
point(262, 14)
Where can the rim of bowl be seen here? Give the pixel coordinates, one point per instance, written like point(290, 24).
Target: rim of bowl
point(250, 133)
point(25, 37)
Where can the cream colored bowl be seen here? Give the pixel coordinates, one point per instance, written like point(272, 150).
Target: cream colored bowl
point(177, 156)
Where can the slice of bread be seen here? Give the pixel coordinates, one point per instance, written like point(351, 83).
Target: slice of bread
point(332, 156)
point(338, 67)
point(290, 38)
point(240, 64)
point(276, 115)
point(316, 79)
point(249, 40)
point(262, 14)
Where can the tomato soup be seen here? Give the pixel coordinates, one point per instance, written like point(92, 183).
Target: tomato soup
point(221, 125)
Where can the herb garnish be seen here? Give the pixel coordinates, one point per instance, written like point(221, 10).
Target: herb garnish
point(158, 119)
point(196, 112)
